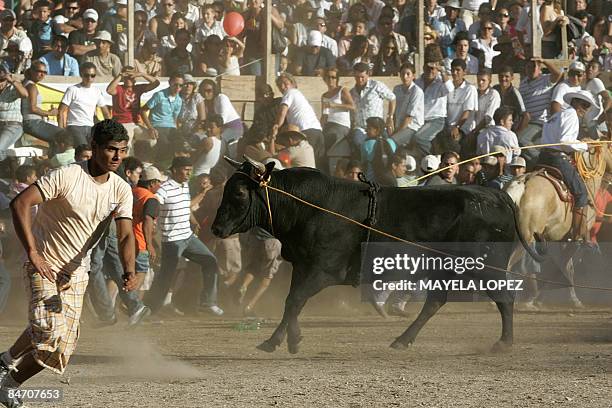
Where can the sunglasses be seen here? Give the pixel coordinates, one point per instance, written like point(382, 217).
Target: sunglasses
point(505, 15)
point(40, 71)
point(576, 73)
point(89, 75)
point(488, 28)
point(89, 20)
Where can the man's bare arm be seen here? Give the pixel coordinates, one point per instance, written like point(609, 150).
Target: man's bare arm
point(127, 252)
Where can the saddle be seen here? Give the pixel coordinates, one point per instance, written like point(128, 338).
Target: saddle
point(555, 177)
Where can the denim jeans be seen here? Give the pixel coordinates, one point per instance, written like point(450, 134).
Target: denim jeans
point(41, 129)
point(81, 134)
point(194, 250)
point(10, 133)
point(105, 257)
point(571, 177)
point(427, 133)
point(5, 285)
point(404, 136)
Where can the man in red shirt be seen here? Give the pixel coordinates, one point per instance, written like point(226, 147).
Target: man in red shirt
point(146, 210)
point(126, 98)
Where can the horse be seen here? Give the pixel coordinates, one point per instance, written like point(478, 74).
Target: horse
point(544, 217)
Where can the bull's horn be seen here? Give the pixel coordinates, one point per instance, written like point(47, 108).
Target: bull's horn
point(233, 162)
point(261, 168)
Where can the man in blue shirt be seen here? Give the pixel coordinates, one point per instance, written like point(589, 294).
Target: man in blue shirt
point(57, 61)
point(159, 116)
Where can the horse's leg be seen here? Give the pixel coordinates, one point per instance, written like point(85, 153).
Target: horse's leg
point(569, 273)
point(434, 301)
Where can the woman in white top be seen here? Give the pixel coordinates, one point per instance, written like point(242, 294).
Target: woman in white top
point(232, 50)
point(216, 102)
point(34, 117)
point(336, 106)
point(551, 18)
point(298, 112)
point(485, 42)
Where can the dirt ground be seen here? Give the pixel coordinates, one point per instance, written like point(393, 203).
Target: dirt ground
point(559, 358)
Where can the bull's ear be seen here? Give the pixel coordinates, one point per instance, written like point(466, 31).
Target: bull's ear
point(259, 167)
point(232, 162)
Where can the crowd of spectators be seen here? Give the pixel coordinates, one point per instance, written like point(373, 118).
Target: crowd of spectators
point(392, 135)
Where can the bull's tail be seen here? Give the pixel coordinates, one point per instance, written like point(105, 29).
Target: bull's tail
point(531, 251)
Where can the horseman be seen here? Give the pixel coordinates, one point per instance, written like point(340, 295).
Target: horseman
point(563, 127)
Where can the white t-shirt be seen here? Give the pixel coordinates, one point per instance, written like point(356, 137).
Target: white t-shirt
point(82, 103)
point(300, 112)
point(66, 224)
point(224, 107)
point(595, 86)
point(204, 163)
point(561, 89)
point(461, 99)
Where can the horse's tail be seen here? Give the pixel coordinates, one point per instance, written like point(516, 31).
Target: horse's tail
point(531, 251)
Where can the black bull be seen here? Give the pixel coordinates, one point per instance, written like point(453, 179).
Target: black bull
point(325, 250)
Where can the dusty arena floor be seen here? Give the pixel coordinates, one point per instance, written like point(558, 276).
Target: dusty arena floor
point(560, 358)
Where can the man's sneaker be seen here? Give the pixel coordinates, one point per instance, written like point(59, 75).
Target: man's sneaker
point(9, 402)
point(138, 316)
point(213, 310)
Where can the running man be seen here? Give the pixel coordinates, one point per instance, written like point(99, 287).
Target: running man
point(76, 203)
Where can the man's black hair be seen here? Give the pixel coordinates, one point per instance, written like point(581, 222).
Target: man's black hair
point(506, 69)
point(86, 65)
point(376, 123)
point(461, 36)
point(146, 183)
point(80, 149)
point(458, 63)
point(65, 137)
point(131, 163)
point(501, 113)
point(60, 38)
point(108, 130)
point(361, 67)
point(23, 172)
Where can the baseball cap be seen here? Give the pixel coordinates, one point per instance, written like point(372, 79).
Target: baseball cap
point(577, 66)
point(104, 36)
point(518, 162)
point(90, 13)
point(7, 13)
point(410, 163)
point(189, 79)
point(152, 173)
point(430, 163)
point(315, 38)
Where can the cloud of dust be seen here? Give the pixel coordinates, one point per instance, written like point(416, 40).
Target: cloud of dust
point(141, 359)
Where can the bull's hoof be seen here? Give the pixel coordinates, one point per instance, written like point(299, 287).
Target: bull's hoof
point(501, 347)
point(294, 346)
point(267, 346)
point(400, 345)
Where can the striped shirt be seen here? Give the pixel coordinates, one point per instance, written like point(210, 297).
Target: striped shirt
point(174, 211)
point(537, 94)
point(10, 105)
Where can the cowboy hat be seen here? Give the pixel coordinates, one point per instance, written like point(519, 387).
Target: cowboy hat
point(582, 94)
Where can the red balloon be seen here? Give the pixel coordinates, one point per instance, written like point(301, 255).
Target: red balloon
point(233, 23)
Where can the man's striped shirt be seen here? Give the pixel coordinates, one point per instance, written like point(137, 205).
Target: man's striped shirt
point(175, 211)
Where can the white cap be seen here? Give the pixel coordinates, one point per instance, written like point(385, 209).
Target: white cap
point(410, 163)
point(120, 2)
point(490, 160)
point(104, 36)
point(90, 13)
point(315, 38)
point(430, 163)
point(577, 66)
point(152, 173)
point(518, 162)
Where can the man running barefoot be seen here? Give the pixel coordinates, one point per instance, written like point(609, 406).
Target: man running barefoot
point(76, 203)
